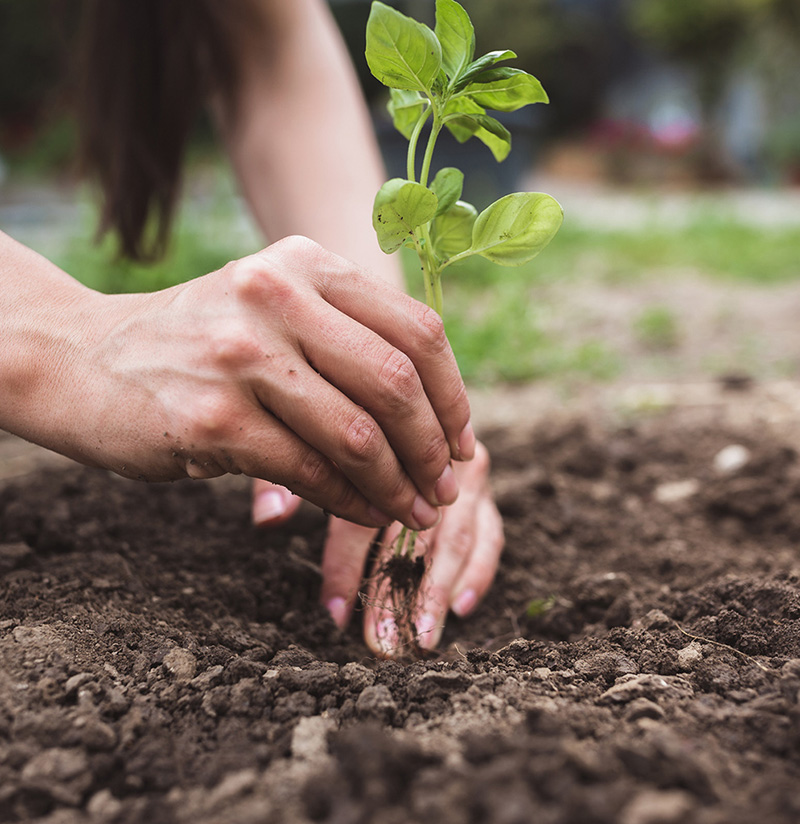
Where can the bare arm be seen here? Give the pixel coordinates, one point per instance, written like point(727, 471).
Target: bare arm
point(47, 321)
point(302, 143)
point(213, 376)
point(303, 148)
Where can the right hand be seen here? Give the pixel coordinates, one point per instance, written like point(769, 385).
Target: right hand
point(290, 365)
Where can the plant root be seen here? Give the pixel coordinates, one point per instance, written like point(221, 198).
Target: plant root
point(396, 585)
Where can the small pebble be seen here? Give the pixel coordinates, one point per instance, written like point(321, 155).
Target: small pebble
point(689, 656)
point(181, 664)
point(376, 703)
point(731, 459)
point(658, 807)
point(674, 491)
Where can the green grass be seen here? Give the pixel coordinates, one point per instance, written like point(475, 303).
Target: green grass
point(502, 322)
point(716, 247)
point(499, 319)
point(203, 240)
point(657, 328)
point(190, 254)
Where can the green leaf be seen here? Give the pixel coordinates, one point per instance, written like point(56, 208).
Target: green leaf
point(469, 119)
point(401, 53)
point(494, 73)
point(509, 93)
point(516, 228)
point(540, 606)
point(405, 107)
point(400, 207)
point(447, 186)
point(456, 34)
point(481, 64)
point(451, 231)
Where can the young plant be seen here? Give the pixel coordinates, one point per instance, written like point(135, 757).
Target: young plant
point(434, 78)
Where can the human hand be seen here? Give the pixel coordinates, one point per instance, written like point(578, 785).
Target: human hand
point(290, 365)
point(461, 554)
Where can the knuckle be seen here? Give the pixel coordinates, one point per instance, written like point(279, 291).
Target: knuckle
point(399, 378)
point(314, 472)
point(346, 501)
point(296, 245)
point(255, 280)
point(245, 276)
point(232, 345)
point(362, 440)
point(435, 453)
point(430, 329)
point(210, 418)
point(398, 495)
point(460, 401)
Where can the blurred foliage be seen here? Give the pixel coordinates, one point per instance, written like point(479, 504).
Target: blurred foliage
point(714, 34)
point(657, 328)
point(504, 324)
point(36, 130)
point(29, 55)
point(575, 47)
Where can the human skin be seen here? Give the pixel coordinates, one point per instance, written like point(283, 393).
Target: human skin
point(304, 150)
point(292, 365)
point(267, 367)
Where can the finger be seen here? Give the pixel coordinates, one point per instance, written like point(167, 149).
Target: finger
point(347, 435)
point(344, 555)
point(384, 381)
point(456, 540)
point(478, 573)
point(381, 633)
point(259, 445)
point(416, 330)
point(272, 504)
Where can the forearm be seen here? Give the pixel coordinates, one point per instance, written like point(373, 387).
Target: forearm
point(302, 143)
point(47, 319)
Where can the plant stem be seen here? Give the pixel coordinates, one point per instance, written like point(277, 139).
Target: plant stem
point(431, 271)
point(412, 145)
point(426, 160)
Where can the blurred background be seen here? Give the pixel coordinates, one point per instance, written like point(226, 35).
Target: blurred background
point(672, 140)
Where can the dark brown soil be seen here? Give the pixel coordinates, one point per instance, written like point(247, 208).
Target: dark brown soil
point(637, 661)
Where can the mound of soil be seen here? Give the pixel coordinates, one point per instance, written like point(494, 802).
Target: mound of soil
point(636, 662)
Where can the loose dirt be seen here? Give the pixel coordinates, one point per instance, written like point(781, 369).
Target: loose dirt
point(636, 662)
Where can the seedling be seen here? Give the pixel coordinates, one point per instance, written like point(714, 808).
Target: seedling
point(434, 78)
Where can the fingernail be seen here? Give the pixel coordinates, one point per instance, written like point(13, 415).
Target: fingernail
point(337, 607)
point(465, 602)
point(424, 515)
point(387, 636)
point(429, 630)
point(379, 518)
point(269, 505)
point(446, 488)
point(466, 443)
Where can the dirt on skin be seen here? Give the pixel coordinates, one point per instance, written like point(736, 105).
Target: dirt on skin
point(636, 662)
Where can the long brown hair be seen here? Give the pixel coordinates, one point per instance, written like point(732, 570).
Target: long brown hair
point(146, 66)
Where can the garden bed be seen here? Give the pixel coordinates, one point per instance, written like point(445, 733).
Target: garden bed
point(637, 660)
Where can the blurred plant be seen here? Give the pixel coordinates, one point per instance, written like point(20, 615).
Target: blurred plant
point(657, 328)
point(783, 147)
point(577, 49)
point(33, 38)
point(711, 34)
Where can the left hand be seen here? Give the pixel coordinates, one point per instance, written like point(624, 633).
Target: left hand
point(462, 554)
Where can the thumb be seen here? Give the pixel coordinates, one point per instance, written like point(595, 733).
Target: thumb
point(272, 504)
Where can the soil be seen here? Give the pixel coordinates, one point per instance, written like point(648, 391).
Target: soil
point(636, 662)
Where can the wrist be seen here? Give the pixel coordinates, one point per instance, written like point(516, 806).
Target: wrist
point(48, 322)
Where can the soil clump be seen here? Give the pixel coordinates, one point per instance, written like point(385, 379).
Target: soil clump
point(636, 662)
